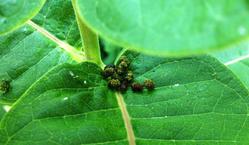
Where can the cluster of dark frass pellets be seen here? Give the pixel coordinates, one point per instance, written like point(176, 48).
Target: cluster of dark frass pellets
point(120, 77)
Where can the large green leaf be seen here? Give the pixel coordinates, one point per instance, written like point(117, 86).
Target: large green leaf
point(70, 105)
point(25, 56)
point(14, 13)
point(57, 17)
point(196, 101)
point(168, 27)
point(237, 59)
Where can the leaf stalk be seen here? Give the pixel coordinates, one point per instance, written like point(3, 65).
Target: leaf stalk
point(89, 40)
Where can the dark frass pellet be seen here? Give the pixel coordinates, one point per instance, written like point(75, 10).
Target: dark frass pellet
point(129, 76)
point(120, 71)
point(4, 86)
point(137, 87)
point(124, 86)
point(149, 85)
point(124, 59)
point(123, 65)
point(108, 71)
point(114, 84)
point(117, 76)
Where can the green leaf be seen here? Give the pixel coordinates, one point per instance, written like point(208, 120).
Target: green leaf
point(70, 105)
point(241, 69)
point(14, 13)
point(237, 59)
point(168, 27)
point(25, 56)
point(57, 17)
point(2, 111)
point(31, 54)
point(196, 101)
point(3, 136)
point(233, 54)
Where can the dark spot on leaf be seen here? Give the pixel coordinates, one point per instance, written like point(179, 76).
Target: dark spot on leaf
point(124, 86)
point(114, 84)
point(4, 86)
point(149, 84)
point(137, 87)
point(120, 77)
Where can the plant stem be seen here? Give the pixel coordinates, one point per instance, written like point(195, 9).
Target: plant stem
point(89, 40)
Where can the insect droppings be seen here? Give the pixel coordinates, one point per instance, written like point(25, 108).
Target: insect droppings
point(149, 85)
point(120, 77)
point(123, 65)
point(124, 86)
point(137, 87)
point(108, 71)
point(114, 84)
point(4, 86)
point(129, 76)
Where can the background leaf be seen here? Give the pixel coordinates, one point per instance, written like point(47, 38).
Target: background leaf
point(241, 69)
point(14, 13)
point(204, 104)
point(57, 17)
point(109, 51)
point(237, 59)
point(25, 56)
point(169, 28)
point(28, 54)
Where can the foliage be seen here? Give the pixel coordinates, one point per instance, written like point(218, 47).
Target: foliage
point(13, 13)
point(58, 95)
point(168, 27)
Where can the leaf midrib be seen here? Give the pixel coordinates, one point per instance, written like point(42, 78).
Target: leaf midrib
point(77, 55)
point(126, 118)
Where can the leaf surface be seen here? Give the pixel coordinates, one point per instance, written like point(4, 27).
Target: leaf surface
point(168, 28)
point(81, 109)
point(57, 17)
point(14, 13)
point(3, 109)
point(25, 56)
point(241, 69)
point(31, 51)
point(197, 100)
point(237, 59)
